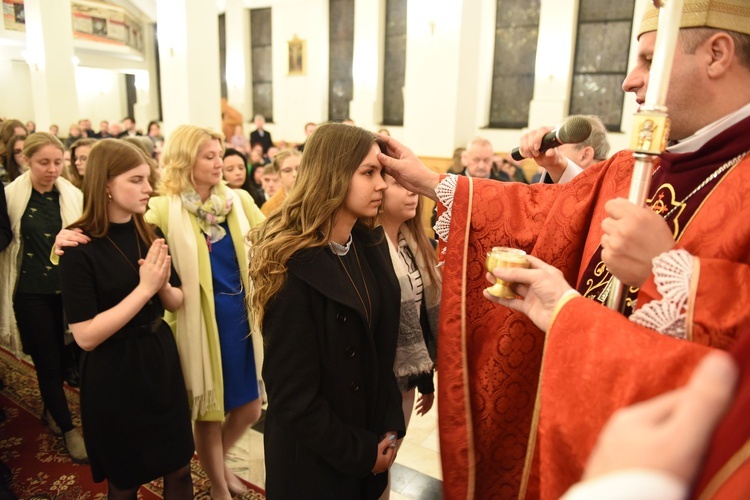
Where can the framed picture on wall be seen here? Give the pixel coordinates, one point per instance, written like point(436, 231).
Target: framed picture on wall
point(297, 56)
point(14, 15)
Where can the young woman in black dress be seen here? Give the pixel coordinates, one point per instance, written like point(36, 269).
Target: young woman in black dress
point(136, 419)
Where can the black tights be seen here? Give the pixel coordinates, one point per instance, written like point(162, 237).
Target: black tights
point(40, 322)
point(177, 485)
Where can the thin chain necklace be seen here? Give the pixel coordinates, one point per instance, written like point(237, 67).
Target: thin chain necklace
point(137, 243)
point(368, 310)
point(734, 161)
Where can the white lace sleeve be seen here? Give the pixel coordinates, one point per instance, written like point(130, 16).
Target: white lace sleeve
point(673, 271)
point(445, 191)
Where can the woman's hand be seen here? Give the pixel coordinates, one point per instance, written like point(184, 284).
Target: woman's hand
point(424, 403)
point(540, 288)
point(386, 453)
point(156, 267)
point(69, 238)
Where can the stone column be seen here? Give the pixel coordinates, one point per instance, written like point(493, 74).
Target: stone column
point(49, 53)
point(188, 32)
point(239, 73)
point(366, 107)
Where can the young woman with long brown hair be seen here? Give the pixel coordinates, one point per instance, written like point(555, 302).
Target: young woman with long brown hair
point(327, 301)
point(136, 418)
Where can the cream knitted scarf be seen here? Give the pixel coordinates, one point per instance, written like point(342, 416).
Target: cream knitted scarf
point(192, 333)
point(412, 356)
point(18, 194)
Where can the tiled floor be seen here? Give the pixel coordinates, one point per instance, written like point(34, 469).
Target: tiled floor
point(416, 475)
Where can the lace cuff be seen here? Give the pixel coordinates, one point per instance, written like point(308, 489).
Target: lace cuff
point(673, 271)
point(445, 190)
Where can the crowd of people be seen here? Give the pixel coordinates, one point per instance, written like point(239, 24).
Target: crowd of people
point(187, 248)
point(204, 275)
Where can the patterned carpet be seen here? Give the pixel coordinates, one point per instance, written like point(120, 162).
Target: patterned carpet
point(40, 464)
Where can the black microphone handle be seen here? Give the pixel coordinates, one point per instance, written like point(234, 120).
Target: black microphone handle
point(549, 141)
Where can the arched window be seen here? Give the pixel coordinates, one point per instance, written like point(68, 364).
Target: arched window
point(395, 62)
point(516, 33)
point(601, 59)
point(260, 44)
point(340, 57)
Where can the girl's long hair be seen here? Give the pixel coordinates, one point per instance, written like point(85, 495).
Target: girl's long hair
point(107, 159)
point(306, 218)
point(424, 247)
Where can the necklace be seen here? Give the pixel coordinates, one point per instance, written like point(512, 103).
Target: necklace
point(734, 161)
point(137, 243)
point(368, 310)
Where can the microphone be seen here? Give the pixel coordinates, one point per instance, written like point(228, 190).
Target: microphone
point(573, 131)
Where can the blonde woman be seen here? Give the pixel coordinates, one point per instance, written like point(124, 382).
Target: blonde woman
point(327, 301)
point(40, 203)
point(205, 224)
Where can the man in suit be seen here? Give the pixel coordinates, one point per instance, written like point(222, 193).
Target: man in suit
point(103, 130)
point(261, 136)
point(128, 123)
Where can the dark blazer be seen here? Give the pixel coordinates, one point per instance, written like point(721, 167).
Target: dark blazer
point(331, 389)
point(265, 140)
point(125, 133)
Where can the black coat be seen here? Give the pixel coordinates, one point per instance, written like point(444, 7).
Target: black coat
point(331, 389)
point(264, 140)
